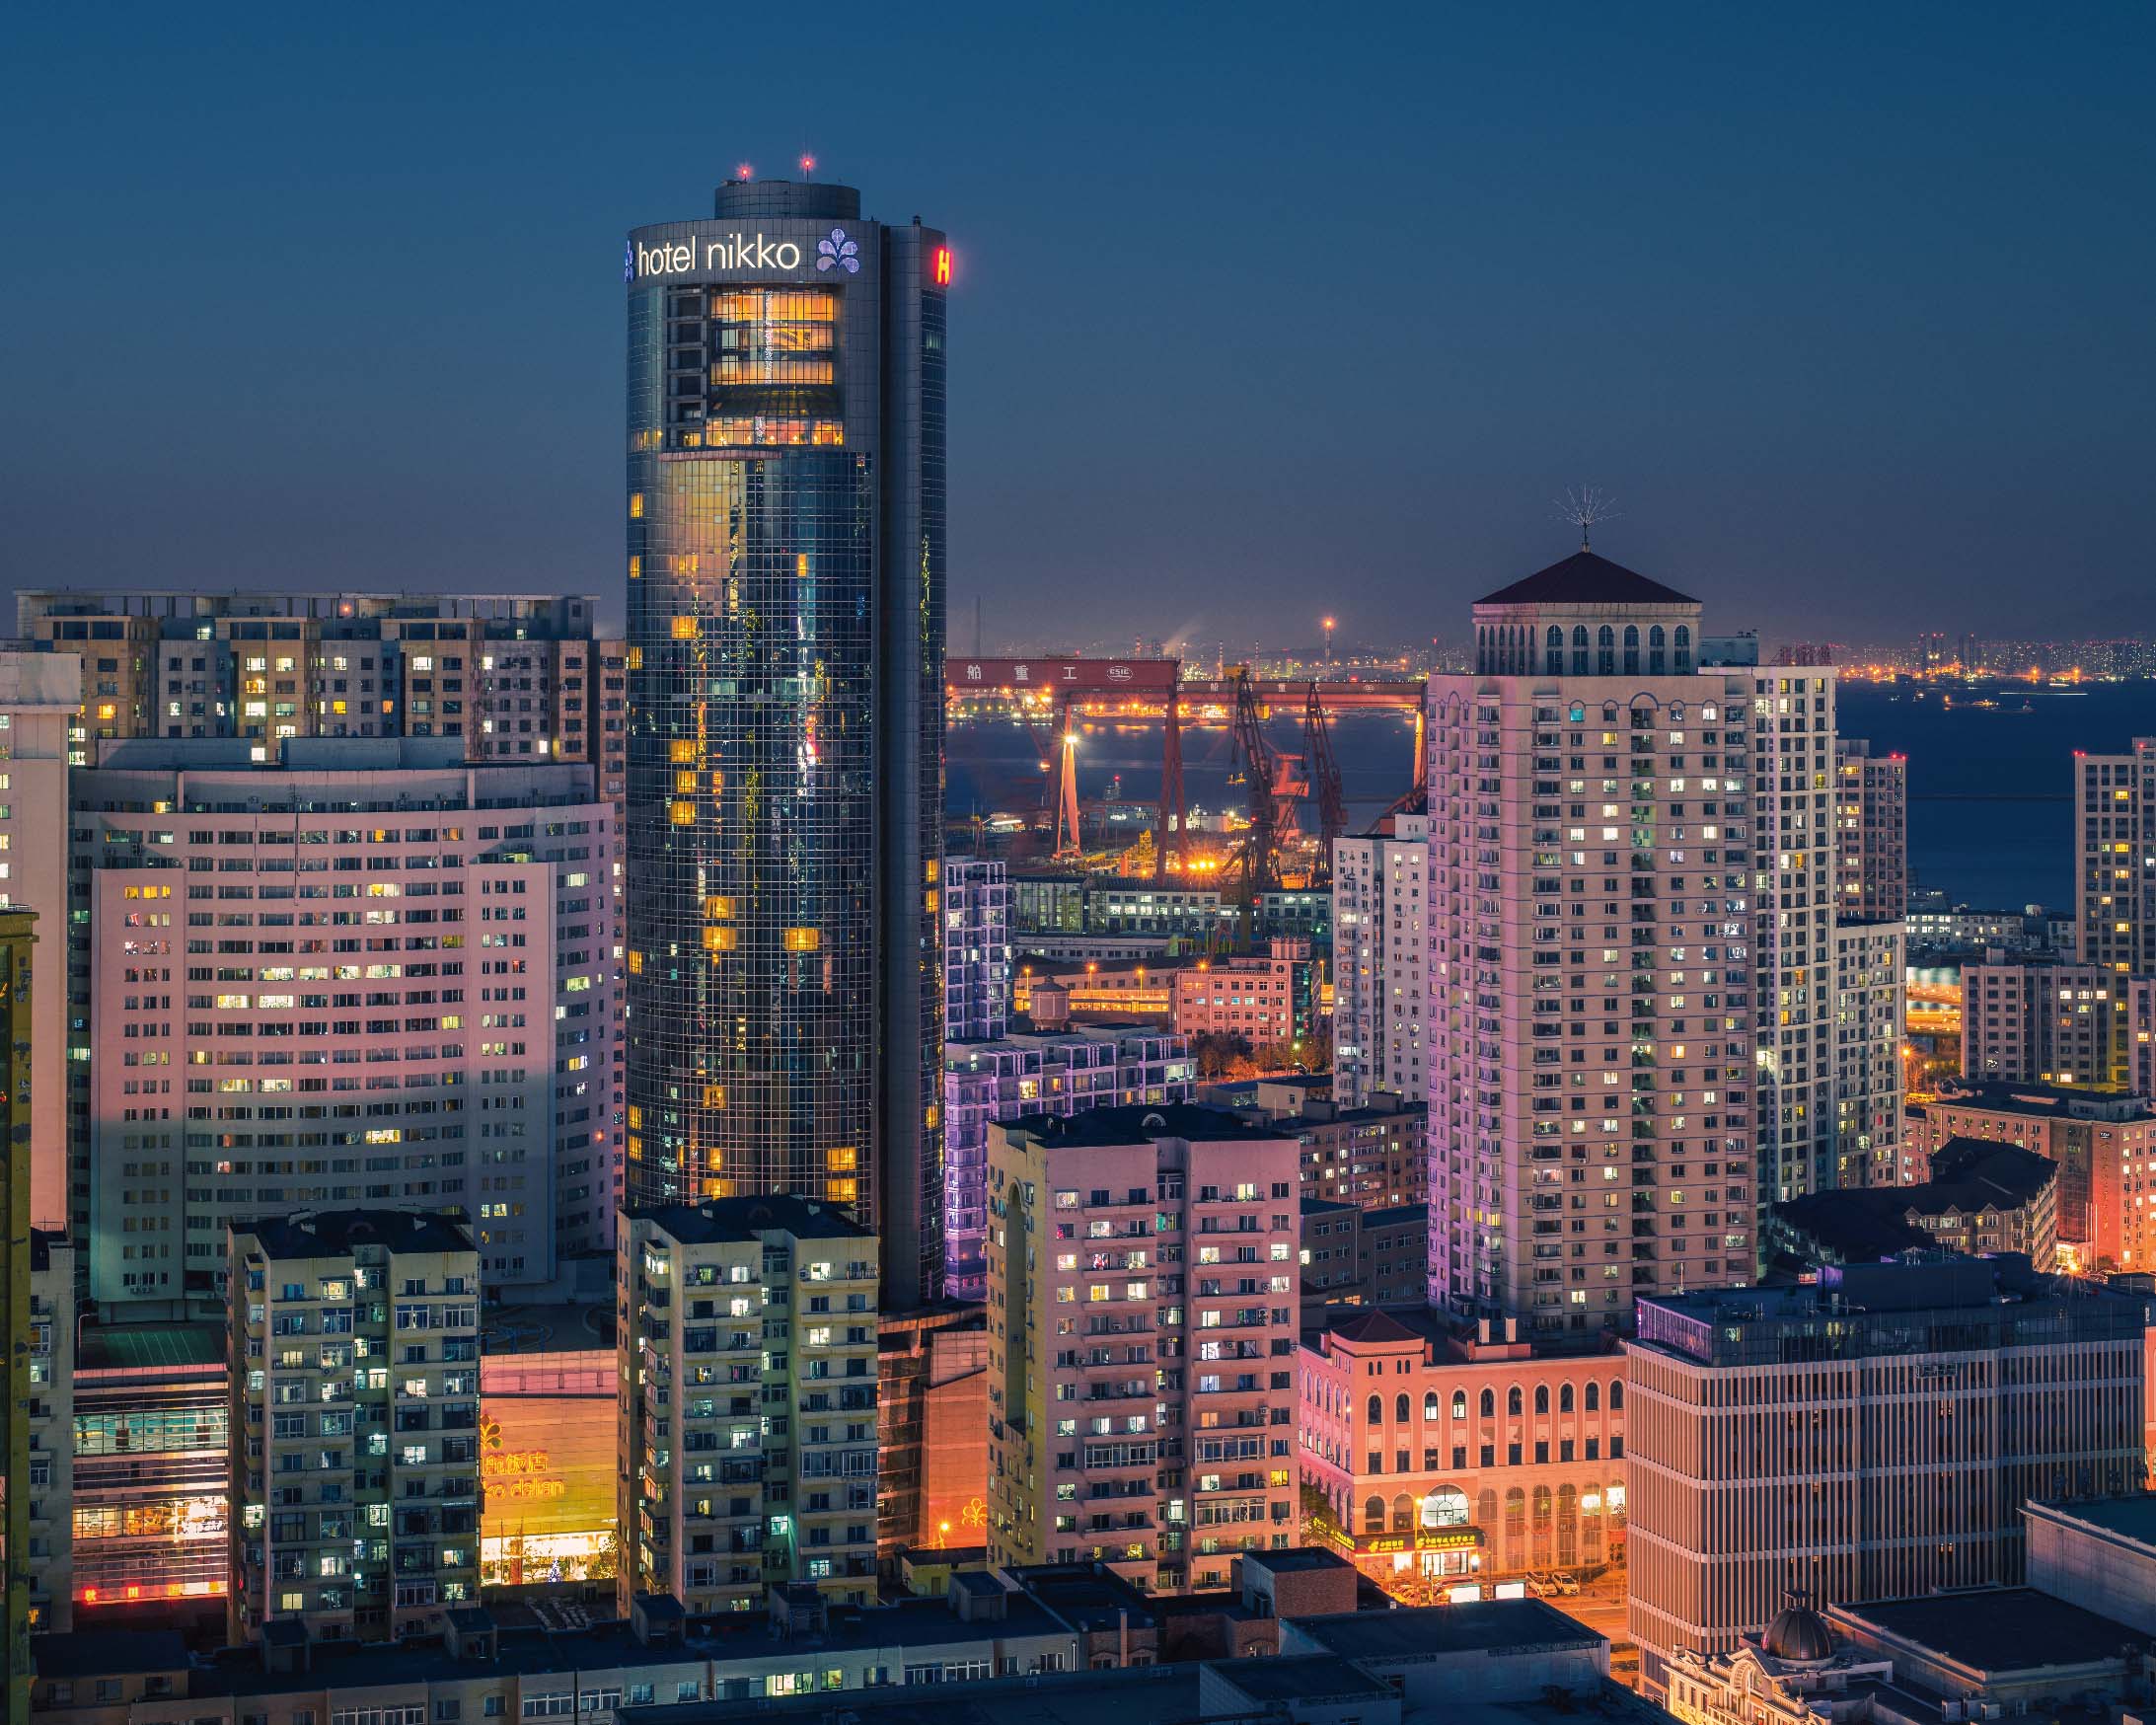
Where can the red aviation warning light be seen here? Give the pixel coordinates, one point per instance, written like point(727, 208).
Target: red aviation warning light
point(941, 267)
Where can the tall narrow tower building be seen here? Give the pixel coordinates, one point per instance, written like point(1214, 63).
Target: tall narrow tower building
point(785, 626)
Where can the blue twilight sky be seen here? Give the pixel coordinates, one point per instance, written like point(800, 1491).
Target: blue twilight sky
point(1262, 310)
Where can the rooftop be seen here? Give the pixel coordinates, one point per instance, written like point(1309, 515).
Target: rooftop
point(1998, 1630)
point(1483, 1626)
point(134, 1346)
point(1305, 1677)
point(1084, 1698)
point(326, 1234)
point(2130, 1518)
point(1583, 579)
point(1099, 1128)
point(740, 1220)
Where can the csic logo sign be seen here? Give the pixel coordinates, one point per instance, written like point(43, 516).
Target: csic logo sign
point(736, 251)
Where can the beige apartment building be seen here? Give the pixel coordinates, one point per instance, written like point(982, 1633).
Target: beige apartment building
point(1595, 941)
point(2047, 1022)
point(1142, 1316)
point(747, 1330)
point(1871, 832)
point(2115, 887)
point(354, 1361)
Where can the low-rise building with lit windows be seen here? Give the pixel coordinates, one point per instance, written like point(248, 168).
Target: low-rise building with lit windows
point(1433, 1457)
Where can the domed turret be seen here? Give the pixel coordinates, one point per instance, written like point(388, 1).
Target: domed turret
point(1798, 1634)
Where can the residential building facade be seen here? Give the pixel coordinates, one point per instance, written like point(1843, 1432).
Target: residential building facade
point(1142, 1316)
point(1871, 833)
point(1059, 1072)
point(2115, 886)
point(39, 702)
point(370, 973)
point(1870, 1014)
point(1380, 961)
point(975, 949)
point(748, 1413)
point(1270, 1001)
point(1592, 1035)
point(353, 1359)
point(2049, 1022)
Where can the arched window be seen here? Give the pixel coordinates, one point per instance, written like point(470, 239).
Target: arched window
point(1542, 1398)
point(1404, 1514)
point(1430, 1404)
point(1631, 647)
point(1579, 650)
point(1683, 636)
point(1553, 654)
point(1459, 1404)
point(1376, 1410)
point(1400, 1409)
point(1610, 709)
point(1578, 712)
point(1489, 1404)
point(1513, 1400)
point(1564, 1399)
point(1683, 647)
point(1594, 1396)
point(1606, 637)
point(1616, 1393)
point(1605, 650)
point(1654, 636)
point(1374, 1516)
point(1445, 1507)
point(1676, 712)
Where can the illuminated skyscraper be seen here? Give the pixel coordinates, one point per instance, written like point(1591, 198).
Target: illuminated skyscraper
point(785, 628)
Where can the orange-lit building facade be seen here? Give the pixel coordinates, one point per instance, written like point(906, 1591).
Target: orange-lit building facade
point(547, 1467)
point(1432, 1460)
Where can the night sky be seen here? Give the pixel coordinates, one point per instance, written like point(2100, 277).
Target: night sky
point(1261, 312)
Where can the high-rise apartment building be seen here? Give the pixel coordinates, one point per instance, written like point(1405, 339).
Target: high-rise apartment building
point(1872, 1437)
point(521, 677)
point(1593, 928)
point(1870, 1012)
point(1142, 1318)
point(371, 973)
point(37, 703)
point(354, 1361)
point(2115, 835)
point(786, 516)
point(1871, 832)
point(2034, 1021)
point(747, 1330)
point(1380, 961)
point(1059, 1072)
point(19, 1250)
point(1795, 861)
point(976, 947)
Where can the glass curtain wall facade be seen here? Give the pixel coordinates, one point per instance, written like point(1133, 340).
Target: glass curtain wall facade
point(786, 598)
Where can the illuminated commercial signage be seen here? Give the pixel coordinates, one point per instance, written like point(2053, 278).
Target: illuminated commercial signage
point(941, 267)
point(1423, 1539)
point(733, 251)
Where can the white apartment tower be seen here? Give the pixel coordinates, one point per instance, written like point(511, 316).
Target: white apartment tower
point(1592, 907)
point(1381, 960)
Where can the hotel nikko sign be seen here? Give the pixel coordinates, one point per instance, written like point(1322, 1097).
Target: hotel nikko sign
point(708, 254)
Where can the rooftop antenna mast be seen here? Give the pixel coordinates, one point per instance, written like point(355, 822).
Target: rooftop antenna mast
point(1584, 505)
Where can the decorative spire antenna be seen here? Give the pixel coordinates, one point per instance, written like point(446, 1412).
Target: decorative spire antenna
point(1584, 505)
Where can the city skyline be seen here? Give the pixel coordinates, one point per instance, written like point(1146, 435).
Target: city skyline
point(1842, 325)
